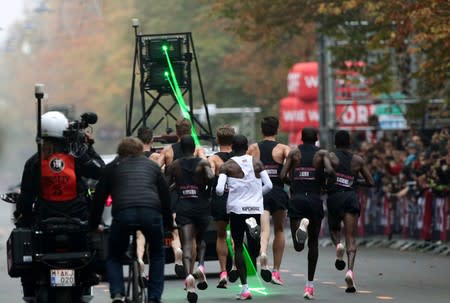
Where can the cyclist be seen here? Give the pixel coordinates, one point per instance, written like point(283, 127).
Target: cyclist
point(141, 201)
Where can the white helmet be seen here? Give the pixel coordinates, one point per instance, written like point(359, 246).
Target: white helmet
point(53, 124)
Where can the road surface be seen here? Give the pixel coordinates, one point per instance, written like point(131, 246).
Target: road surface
point(382, 275)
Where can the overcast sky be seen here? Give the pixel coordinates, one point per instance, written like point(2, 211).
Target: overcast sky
point(10, 11)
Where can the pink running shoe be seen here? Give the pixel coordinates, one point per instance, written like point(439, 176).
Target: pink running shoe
point(350, 280)
point(276, 278)
point(309, 293)
point(223, 280)
point(244, 295)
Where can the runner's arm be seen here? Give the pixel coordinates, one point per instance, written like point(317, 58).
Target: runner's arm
point(220, 188)
point(206, 167)
point(267, 184)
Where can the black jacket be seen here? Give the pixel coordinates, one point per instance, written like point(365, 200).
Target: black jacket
point(132, 182)
point(28, 206)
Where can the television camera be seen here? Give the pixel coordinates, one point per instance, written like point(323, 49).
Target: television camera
point(76, 137)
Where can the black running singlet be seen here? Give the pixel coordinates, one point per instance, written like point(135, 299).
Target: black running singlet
point(177, 153)
point(224, 156)
point(344, 177)
point(272, 168)
point(304, 177)
point(187, 187)
point(192, 195)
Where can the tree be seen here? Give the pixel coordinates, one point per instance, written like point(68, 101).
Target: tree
point(381, 33)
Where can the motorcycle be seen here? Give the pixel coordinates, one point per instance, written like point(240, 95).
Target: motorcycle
point(56, 255)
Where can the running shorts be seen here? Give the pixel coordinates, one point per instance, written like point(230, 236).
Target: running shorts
point(306, 205)
point(276, 199)
point(219, 207)
point(200, 222)
point(342, 202)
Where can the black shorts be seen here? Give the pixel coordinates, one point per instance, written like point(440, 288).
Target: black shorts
point(200, 222)
point(219, 207)
point(276, 199)
point(343, 202)
point(306, 205)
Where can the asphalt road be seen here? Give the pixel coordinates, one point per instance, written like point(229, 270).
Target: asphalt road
point(382, 275)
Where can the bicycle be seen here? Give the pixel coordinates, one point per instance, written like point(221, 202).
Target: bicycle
point(136, 288)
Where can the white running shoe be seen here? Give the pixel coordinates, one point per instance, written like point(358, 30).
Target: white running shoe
point(191, 295)
point(202, 284)
point(350, 280)
point(340, 263)
point(302, 232)
point(253, 227)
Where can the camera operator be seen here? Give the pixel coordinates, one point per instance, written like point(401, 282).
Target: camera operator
point(63, 193)
point(58, 191)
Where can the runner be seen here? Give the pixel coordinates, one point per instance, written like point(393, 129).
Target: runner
point(247, 181)
point(304, 167)
point(145, 134)
point(343, 203)
point(169, 154)
point(272, 154)
point(219, 204)
point(192, 176)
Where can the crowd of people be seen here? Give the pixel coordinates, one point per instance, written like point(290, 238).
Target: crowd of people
point(241, 187)
point(405, 165)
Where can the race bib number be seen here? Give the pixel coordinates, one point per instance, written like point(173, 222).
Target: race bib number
point(304, 173)
point(344, 180)
point(189, 192)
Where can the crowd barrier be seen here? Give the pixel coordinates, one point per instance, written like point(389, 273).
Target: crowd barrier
point(423, 217)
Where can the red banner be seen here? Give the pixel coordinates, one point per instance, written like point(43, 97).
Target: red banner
point(296, 114)
point(303, 81)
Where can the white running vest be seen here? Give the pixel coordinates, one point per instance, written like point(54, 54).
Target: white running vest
point(245, 194)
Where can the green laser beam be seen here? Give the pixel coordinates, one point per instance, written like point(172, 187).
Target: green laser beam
point(172, 73)
point(184, 110)
point(179, 96)
point(182, 105)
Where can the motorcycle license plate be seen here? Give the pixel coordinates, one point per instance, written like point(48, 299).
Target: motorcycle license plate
point(62, 277)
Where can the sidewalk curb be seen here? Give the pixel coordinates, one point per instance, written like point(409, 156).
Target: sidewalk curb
point(427, 247)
